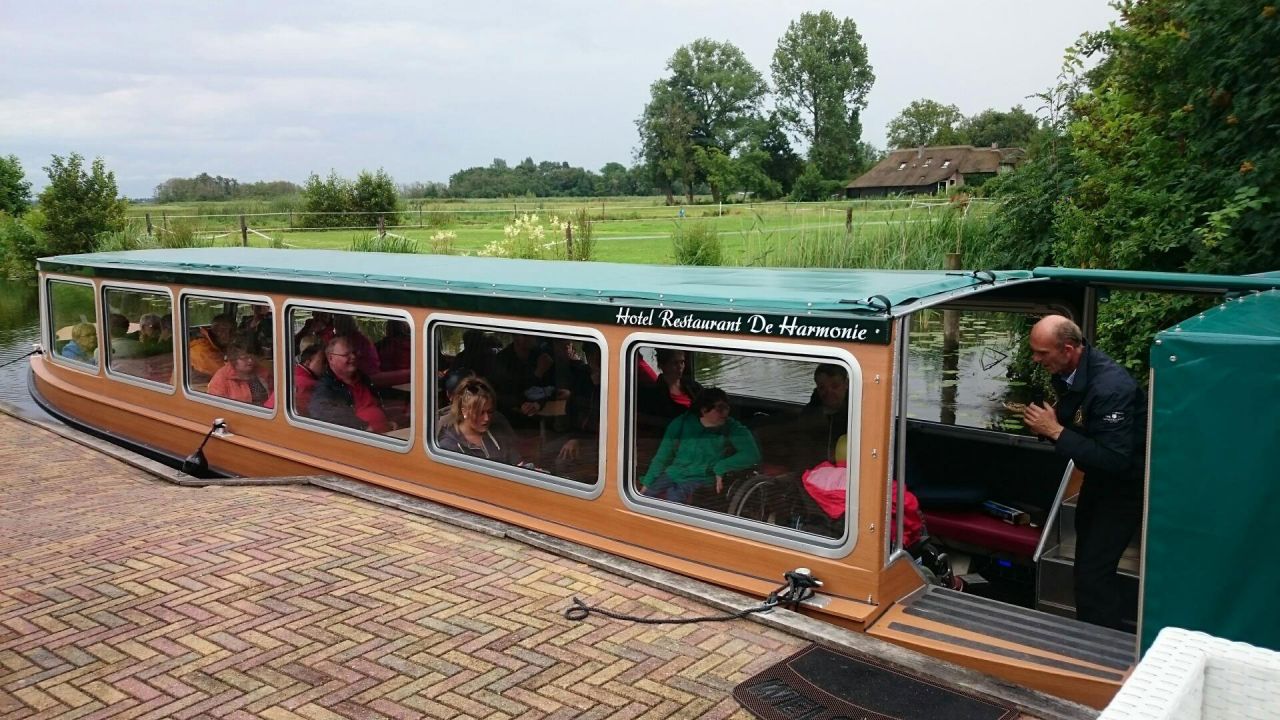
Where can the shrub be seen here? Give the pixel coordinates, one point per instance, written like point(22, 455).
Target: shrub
point(697, 243)
point(20, 245)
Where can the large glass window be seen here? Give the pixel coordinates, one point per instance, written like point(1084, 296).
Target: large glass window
point(72, 330)
point(756, 435)
point(968, 368)
point(523, 398)
point(140, 334)
point(352, 370)
point(229, 349)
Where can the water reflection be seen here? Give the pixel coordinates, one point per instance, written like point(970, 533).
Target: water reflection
point(966, 384)
point(19, 329)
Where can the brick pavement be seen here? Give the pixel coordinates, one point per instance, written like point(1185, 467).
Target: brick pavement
point(126, 597)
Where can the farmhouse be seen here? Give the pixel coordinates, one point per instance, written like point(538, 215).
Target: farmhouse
point(933, 169)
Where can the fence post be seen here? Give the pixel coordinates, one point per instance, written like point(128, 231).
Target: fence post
point(568, 241)
point(164, 220)
point(848, 221)
point(419, 213)
point(290, 219)
point(148, 224)
point(244, 233)
point(382, 225)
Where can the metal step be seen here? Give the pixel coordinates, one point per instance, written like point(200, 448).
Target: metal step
point(1040, 631)
point(1055, 582)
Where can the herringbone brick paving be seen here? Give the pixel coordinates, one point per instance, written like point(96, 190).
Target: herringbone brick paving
point(122, 596)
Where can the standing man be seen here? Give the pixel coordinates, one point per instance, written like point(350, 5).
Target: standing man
point(1100, 422)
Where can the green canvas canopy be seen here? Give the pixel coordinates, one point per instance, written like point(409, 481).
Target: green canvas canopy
point(1214, 474)
point(845, 292)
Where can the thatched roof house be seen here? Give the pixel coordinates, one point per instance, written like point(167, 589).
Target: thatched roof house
point(933, 169)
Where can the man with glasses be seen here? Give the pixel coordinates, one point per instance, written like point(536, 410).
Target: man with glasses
point(344, 396)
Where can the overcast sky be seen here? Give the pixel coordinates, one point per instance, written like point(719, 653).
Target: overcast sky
point(281, 89)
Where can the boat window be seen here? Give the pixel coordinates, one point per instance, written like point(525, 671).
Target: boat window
point(758, 436)
point(73, 333)
point(970, 379)
point(529, 399)
point(140, 334)
point(229, 353)
point(351, 370)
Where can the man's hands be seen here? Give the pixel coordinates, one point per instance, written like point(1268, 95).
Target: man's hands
point(1042, 421)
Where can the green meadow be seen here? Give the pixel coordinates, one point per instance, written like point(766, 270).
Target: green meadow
point(854, 233)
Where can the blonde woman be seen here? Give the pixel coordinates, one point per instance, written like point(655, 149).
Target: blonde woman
point(473, 427)
point(83, 346)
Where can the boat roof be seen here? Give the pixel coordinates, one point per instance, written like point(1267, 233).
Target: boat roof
point(814, 291)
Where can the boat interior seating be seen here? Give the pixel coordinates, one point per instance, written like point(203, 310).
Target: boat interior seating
point(953, 471)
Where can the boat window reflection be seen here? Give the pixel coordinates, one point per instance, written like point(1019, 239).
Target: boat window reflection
point(73, 333)
point(527, 399)
point(351, 370)
point(139, 334)
point(757, 447)
point(229, 349)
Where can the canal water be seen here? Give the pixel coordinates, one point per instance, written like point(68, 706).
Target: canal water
point(19, 329)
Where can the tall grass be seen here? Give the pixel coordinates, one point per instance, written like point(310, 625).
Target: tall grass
point(697, 243)
point(388, 243)
point(904, 242)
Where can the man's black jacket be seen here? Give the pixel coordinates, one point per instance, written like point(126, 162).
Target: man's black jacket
point(1104, 418)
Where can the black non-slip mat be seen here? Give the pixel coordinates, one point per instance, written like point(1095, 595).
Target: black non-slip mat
point(822, 684)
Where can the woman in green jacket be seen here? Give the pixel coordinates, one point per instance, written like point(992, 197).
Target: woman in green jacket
point(698, 448)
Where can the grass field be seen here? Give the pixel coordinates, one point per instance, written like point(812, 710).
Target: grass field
point(881, 233)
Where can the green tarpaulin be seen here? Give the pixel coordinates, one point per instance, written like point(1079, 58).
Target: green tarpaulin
point(1213, 496)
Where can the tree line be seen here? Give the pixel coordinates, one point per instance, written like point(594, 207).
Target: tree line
point(206, 187)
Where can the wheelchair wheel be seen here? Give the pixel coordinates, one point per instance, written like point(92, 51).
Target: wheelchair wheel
point(764, 499)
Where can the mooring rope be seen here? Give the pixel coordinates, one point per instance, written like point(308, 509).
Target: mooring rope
point(798, 588)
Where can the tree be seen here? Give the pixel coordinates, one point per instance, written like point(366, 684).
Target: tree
point(78, 205)
point(374, 195)
point(710, 100)
point(1016, 128)
point(822, 77)
point(780, 163)
point(15, 192)
point(666, 140)
point(925, 122)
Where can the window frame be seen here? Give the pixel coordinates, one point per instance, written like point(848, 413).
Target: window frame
point(285, 326)
point(180, 317)
point(48, 333)
point(104, 311)
point(722, 522)
point(545, 481)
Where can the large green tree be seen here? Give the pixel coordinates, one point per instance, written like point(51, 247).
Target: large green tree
point(822, 76)
point(1015, 128)
point(925, 122)
point(78, 205)
point(709, 101)
point(15, 191)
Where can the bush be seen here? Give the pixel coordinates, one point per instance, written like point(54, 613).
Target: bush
point(20, 245)
point(78, 205)
point(697, 243)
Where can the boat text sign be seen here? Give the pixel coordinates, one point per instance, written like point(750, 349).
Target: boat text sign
point(786, 326)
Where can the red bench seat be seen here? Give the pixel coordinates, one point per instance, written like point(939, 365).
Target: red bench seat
point(978, 528)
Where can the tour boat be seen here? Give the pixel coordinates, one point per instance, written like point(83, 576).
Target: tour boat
point(593, 380)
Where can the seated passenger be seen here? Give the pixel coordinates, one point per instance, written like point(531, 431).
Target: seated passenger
point(523, 380)
point(824, 419)
point(151, 336)
point(395, 350)
point(319, 324)
point(344, 325)
point(698, 448)
point(123, 345)
point(307, 372)
point(83, 346)
point(343, 395)
point(166, 328)
point(257, 327)
point(207, 353)
point(242, 378)
point(479, 352)
point(575, 449)
point(472, 426)
point(673, 393)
